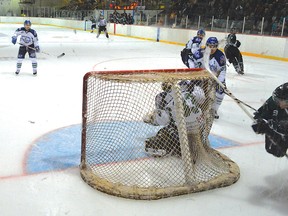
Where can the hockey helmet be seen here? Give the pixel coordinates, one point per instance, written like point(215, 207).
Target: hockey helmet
point(201, 33)
point(281, 93)
point(212, 42)
point(27, 23)
point(233, 30)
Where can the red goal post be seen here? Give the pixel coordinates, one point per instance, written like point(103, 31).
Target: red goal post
point(134, 149)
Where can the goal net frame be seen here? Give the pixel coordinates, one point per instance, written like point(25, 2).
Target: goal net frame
point(196, 152)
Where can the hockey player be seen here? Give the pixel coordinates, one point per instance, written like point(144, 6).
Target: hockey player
point(166, 140)
point(271, 119)
point(192, 55)
point(93, 26)
point(217, 64)
point(102, 26)
point(28, 43)
point(232, 52)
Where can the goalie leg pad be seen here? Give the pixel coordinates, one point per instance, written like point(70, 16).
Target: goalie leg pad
point(167, 139)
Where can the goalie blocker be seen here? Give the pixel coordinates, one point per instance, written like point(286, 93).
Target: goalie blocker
point(272, 120)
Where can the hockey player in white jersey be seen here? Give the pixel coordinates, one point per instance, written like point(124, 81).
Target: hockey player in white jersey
point(166, 140)
point(217, 64)
point(192, 54)
point(28, 43)
point(102, 26)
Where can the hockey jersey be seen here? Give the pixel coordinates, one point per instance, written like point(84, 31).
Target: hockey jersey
point(217, 64)
point(270, 110)
point(194, 44)
point(166, 111)
point(27, 38)
point(102, 22)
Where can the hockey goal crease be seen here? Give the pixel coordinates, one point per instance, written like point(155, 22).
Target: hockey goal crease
point(145, 134)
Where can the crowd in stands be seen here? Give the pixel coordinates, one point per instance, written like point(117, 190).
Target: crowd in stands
point(121, 18)
point(81, 5)
point(273, 11)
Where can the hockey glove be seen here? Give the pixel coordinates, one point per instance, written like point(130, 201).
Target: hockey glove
point(14, 40)
point(275, 146)
point(185, 56)
point(260, 126)
point(37, 48)
point(238, 43)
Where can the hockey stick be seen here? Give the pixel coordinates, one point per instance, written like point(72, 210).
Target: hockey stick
point(206, 64)
point(247, 105)
point(59, 56)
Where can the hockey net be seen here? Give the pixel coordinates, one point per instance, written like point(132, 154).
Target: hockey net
point(129, 151)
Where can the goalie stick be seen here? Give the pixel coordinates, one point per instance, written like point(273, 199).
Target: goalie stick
point(58, 56)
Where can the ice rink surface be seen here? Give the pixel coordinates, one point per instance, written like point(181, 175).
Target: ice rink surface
point(34, 109)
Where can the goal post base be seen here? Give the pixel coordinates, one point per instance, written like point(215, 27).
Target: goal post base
point(152, 193)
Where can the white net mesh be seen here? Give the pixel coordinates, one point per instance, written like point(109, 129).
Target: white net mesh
point(145, 134)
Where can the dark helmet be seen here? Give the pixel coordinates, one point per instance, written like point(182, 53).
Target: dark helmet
point(280, 93)
point(233, 30)
point(27, 22)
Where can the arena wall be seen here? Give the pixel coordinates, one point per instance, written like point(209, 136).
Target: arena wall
point(252, 45)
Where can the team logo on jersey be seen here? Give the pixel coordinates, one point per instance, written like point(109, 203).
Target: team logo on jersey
point(222, 60)
point(26, 39)
point(213, 66)
point(275, 113)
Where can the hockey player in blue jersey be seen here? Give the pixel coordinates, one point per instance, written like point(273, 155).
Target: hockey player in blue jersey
point(192, 54)
point(217, 64)
point(28, 43)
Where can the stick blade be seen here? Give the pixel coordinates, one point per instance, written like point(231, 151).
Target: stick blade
point(60, 56)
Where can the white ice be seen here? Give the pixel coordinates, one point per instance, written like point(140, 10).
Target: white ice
point(31, 107)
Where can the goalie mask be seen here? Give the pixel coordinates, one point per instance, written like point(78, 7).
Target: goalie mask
point(280, 95)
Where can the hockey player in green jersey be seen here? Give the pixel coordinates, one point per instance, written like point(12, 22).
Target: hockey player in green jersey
point(272, 120)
